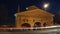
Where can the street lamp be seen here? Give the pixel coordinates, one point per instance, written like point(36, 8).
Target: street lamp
point(26, 8)
point(15, 15)
point(45, 5)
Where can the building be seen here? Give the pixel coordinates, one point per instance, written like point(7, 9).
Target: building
point(33, 17)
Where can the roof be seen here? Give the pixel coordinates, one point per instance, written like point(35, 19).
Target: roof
point(32, 7)
point(33, 10)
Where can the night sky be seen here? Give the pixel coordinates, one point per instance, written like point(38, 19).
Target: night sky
point(9, 7)
point(54, 6)
point(7, 10)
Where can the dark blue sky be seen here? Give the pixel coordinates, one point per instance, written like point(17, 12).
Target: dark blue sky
point(7, 10)
point(9, 7)
point(54, 6)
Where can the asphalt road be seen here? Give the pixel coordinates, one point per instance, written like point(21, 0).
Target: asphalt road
point(28, 32)
point(24, 33)
point(52, 31)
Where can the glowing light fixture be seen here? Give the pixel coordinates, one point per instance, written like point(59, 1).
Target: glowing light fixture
point(15, 14)
point(26, 8)
point(45, 5)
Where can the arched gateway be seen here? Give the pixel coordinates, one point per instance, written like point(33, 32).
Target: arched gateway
point(25, 25)
point(37, 24)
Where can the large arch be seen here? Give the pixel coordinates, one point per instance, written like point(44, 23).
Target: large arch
point(25, 25)
point(37, 24)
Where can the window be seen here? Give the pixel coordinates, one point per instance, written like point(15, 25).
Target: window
point(33, 20)
point(25, 20)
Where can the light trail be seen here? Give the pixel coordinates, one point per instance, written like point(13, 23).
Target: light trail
point(35, 27)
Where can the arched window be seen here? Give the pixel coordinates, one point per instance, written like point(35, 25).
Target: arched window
point(23, 20)
point(27, 20)
point(33, 20)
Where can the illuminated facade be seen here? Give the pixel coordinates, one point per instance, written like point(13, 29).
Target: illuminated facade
point(33, 17)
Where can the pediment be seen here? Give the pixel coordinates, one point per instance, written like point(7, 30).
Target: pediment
point(35, 12)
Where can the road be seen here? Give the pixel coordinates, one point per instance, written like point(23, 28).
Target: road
point(44, 31)
point(29, 32)
point(50, 31)
point(24, 33)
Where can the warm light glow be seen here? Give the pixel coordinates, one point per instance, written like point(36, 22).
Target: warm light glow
point(46, 5)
